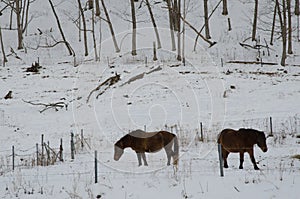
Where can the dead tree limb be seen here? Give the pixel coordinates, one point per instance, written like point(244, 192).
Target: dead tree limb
point(215, 8)
point(60, 28)
point(211, 43)
point(251, 62)
point(106, 84)
point(55, 105)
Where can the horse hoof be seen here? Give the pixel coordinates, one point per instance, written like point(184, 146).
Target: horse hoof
point(240, 167)
point(256, 168)
point(226, 166)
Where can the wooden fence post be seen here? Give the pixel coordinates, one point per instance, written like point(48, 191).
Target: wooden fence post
point(13, 158)
point(72, 146)
point(42, 144)
point(82, 139)
point(37, 154)
point(61, 150)
point(271, 127)
point(220, 160)
point(96, 170)
point(201, 132)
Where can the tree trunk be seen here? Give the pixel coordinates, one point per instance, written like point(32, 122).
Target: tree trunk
point(86, 51)
point(26, 17)
point(282, 19)
point(11, 15)
point(19, 25)
point(183, 33)
point(2, 48)
point(178, 32)
point(91, 4)
point(110, 27)
point(290, 28)
point(97, 5)
point(255, 20)
point(93, 34)
point(297, 9)
point(171, 22)
point(154, 24)
point(206, 20)
point(225, 10)
point(60, 29)
point(175, 15)
point(273, 24)
point(133, 42)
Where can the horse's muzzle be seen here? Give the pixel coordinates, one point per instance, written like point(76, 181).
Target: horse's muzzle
point(265, 149)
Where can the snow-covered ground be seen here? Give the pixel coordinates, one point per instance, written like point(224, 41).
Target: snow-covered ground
point(162, 94)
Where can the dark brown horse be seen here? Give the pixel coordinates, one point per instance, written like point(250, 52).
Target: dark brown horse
point(241, 141)
point(142, 142)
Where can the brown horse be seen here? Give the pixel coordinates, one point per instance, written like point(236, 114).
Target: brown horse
point(241, 141)
point(142, 142)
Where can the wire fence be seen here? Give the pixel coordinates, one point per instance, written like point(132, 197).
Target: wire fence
point(28, 158)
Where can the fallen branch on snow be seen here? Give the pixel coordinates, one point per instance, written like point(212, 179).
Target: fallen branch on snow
point(55, 105)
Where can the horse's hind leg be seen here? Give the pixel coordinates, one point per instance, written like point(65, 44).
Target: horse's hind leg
point(139, 156)
point(241, 159)
point(144, 159)
point(169, 153)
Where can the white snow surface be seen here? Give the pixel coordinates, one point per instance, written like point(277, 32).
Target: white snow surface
point(169, 96)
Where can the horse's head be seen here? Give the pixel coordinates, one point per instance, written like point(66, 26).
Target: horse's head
point(118, 152)
point(261, 141)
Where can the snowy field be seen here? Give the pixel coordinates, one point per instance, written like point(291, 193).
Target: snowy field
point(156, 95)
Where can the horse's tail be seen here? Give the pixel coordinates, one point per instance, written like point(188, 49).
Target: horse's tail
point(176, 150)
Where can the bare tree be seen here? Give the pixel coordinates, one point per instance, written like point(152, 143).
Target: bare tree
point(171, 23)
point(290, 28)
point(133, 50)
point(60, 29)
point(154, 24)
point(86, 51)
point(90, 4)
point(206, 20)
point(2, 48)
point(255, 20)
point(273, 24)
point(110, 27)
point(97, 5)
point(225, 10)
point(19, 24)
point(282, 19)
point(297, 9)
point(178, 21)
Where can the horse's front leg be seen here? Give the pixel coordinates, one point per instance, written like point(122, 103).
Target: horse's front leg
point(241, 159)
point(251, 154)
point(139, 156)
point(144, 159)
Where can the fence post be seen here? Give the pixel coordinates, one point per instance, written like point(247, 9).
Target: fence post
point(271, 127)
point(96, 172)
point(72, 146)
point(201, 132)
point(61, 150)
point(13, 158)
point(42, 144)
point(82, 138)
point(48, 153)
point(220, 160)
point(37, 154)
